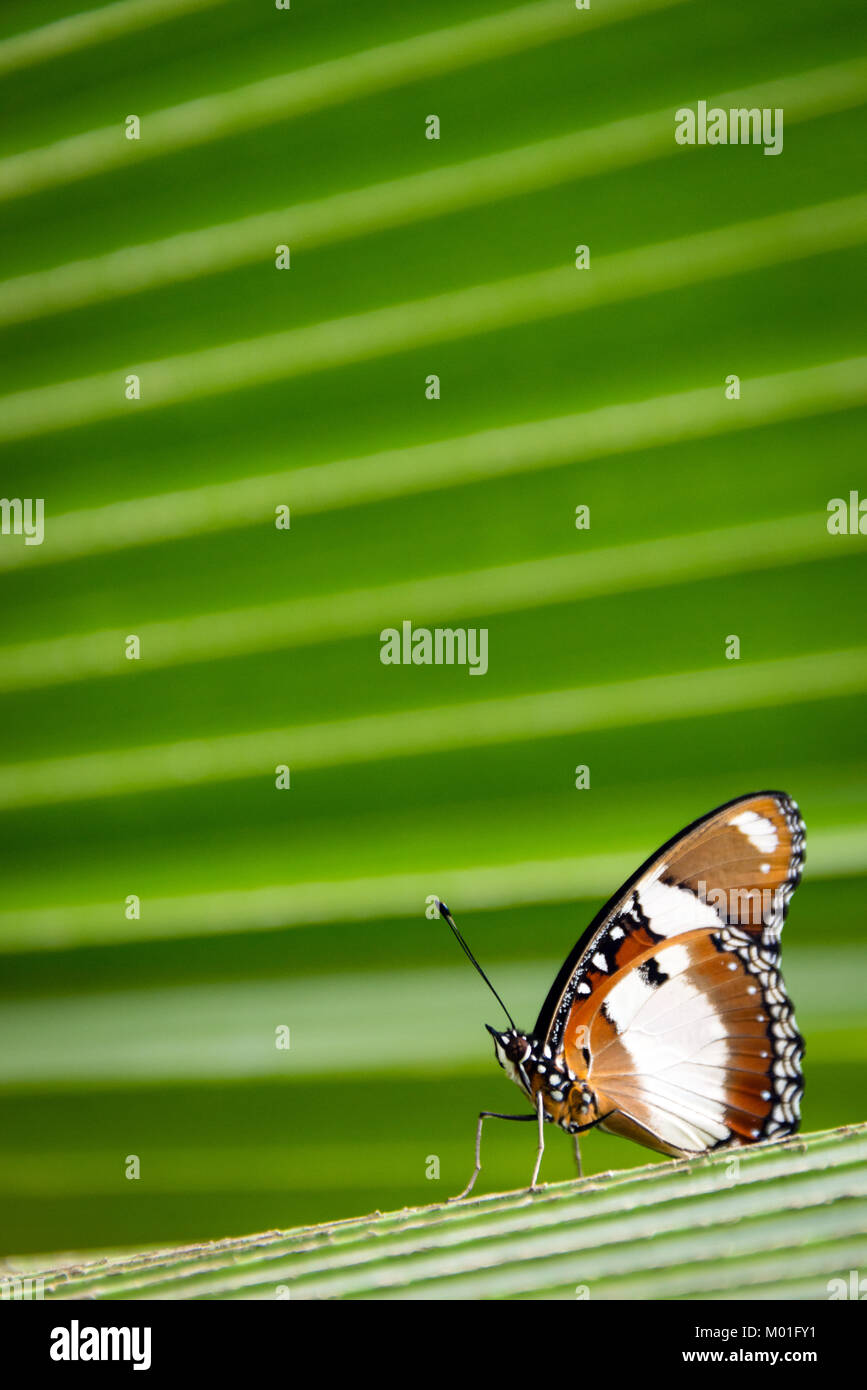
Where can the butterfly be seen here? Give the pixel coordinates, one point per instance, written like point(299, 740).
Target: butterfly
point(669, 1023)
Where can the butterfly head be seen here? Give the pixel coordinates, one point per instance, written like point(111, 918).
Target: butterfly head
point(513, 1051)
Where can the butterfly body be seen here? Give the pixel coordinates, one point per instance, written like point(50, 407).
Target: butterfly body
point(669, 1022)
point(566, 1098)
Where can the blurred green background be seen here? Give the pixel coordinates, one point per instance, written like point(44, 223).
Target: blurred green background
point(306, 907)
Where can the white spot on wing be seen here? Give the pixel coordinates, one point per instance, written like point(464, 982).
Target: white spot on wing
point(760, 832)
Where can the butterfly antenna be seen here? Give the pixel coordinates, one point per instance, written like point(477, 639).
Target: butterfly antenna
point(447, 917)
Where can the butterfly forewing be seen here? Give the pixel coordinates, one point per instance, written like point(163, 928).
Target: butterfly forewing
point(672, 1004)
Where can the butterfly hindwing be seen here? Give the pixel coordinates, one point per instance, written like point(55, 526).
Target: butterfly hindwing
point(692, 1046)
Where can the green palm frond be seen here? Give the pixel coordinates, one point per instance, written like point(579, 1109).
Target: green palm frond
point(150, 1030)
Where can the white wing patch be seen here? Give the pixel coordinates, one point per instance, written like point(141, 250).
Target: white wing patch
point(760, 832)
point(672, 910)
point(678, 1051)
point(626, 998)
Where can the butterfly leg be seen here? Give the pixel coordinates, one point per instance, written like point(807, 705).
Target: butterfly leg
point(578, 1164)
point(485, 1115)
point(540, 1110)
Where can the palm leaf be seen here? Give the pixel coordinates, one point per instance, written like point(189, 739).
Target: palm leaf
point(154, 779)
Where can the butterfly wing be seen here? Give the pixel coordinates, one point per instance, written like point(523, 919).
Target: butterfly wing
point(672, 1004)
